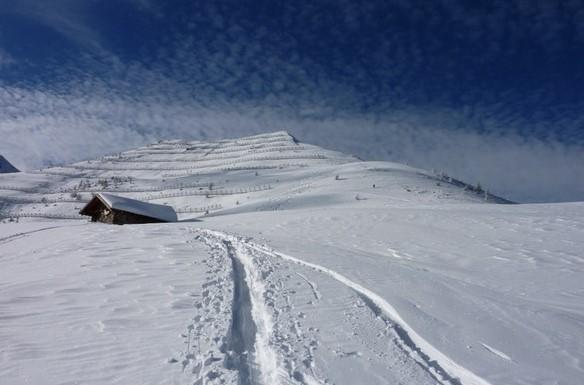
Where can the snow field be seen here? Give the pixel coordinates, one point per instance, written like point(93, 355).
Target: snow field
point(339, 272)
point(461, 276)
point(94, 304)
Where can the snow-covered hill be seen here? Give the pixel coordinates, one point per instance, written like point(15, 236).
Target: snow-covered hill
point(290, 264)
point(263, 172)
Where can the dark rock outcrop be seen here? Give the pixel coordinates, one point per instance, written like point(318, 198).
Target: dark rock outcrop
point(6, 167)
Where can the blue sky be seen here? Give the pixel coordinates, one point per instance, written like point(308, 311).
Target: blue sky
point(489, 91)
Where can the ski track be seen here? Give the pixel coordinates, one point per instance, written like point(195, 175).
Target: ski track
point(496, 352)
point(257, 361)
point(245, 346)
point(312, 285)
point(265, 356)
point(273, 367)
point(17, 236)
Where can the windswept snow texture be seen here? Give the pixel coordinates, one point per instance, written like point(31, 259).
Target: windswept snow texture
point(305, 266)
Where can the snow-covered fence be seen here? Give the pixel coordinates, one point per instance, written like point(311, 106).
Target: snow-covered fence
point(191, 159)
point(184, 193)
point(103, 167)
point(121, 189)
point(214, 156)
point(285, 146)
point(163, 145)
point(47, 171)
point(43, 215)
point(191, 172)
point(42, 200)
point(194, 171)
point(251, 141)
point(230, 147)
point(19, 188)
point(268, 135)
point(278, 157)
point(153, 151)
point(205, 209)
point(251, 167)
point(264, 167)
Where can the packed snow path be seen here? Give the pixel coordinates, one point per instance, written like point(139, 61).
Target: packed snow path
point(284, 302)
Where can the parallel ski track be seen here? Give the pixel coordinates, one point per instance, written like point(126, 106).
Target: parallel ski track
point(249, 287)
point(442, 368)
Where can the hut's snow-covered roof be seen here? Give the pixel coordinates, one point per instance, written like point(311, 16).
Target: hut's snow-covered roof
point(161, 212)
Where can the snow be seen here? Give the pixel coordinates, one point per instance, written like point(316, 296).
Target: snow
point(505, 276)
point(76, 309)
point(152, 210)
point(286, 277)
point(410, 341)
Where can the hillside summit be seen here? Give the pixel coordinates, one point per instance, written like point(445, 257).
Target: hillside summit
point(290, 264)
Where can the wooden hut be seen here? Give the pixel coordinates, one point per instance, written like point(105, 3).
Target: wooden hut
point(113, 209)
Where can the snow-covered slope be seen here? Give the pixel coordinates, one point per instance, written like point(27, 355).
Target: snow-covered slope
point(264, 172)
point(6, 166)
point(305, 266)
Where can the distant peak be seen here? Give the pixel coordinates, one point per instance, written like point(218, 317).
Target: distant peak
point(6, 166)
point(274, 134)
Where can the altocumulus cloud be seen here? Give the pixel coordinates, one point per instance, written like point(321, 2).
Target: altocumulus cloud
point(489, 93)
